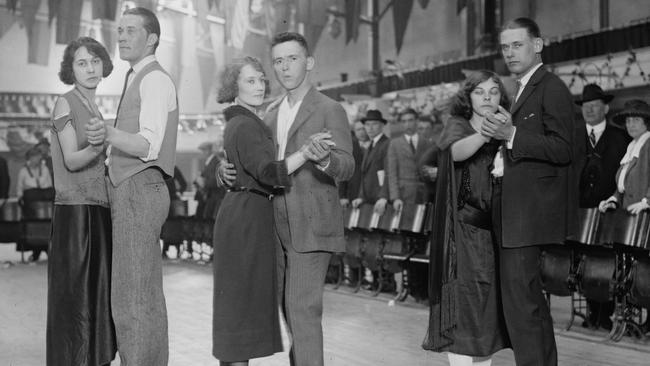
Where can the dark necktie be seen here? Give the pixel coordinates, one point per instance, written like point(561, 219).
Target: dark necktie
point(592, 138)
point(366, 156)
point(126, 81)
point(514, 98)
point(411, 142)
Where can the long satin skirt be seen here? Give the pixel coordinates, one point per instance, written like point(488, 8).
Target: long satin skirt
point(80, 328)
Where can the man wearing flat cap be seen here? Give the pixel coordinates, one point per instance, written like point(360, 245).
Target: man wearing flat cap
point(604, 145)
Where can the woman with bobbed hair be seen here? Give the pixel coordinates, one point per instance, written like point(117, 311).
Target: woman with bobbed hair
point(633, 176)
point(245, 308)
point(466, 319)
point(80, 328)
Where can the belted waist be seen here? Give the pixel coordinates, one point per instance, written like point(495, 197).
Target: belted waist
point(268, 196)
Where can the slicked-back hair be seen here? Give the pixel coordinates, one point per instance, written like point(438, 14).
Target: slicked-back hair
point(408, 111)
point(288, 37)
point(461, 104)
point(66, 74)
point(150, 21)
point(229, 89)
point(528, 24)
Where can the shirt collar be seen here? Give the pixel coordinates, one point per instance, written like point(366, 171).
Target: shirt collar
point(142, 63)
point(524, 79)
point(599, 128)
point(285, 103)
point(376, 139)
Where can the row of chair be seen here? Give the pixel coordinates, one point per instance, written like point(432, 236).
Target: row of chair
point(396, 241)
point(27, 224)
point(608, 261)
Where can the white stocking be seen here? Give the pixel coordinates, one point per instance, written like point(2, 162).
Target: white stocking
point(463, 360)
point(482, 361)
point(459, 360)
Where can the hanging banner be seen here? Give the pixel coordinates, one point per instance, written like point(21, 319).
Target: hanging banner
point(401, 15)
point(239, 24)
point(104, 9)
point(352, 14)
point(68, 20)
point(313, 14)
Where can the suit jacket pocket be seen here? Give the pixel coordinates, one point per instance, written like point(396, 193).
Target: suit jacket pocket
point(325, 212)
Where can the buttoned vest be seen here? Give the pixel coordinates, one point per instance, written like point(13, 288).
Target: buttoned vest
point(123, 165)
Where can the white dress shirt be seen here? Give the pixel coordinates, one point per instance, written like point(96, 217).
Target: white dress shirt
point(633, 150)
point(497, 171)
point(286, 117)
point(412, 140)
point(598, 129)
point(376, 140)
point(156, 90)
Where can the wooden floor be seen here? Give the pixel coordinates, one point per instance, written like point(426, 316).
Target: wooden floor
point(359, 330)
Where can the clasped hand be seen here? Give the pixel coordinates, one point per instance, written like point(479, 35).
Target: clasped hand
point(95, 131)
point(498, 125)
point(634, 208)
point(317, 147)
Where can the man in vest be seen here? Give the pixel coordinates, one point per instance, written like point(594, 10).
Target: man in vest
point(140, 156)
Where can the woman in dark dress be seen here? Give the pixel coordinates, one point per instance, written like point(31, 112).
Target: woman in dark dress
point(466, 319)
point(245, 309)
point(80, 328)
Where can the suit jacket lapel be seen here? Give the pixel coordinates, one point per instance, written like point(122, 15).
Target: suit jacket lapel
point(420, 145)
point(528, 89)
point(307, 107)
point(371, 155)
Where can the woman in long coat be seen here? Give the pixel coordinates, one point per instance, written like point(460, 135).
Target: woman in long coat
point(466, 319)
point(246, 309)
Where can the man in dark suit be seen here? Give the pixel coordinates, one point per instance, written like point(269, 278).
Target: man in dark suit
point(373, 185)
point(348, 189)
point(373, 172)
point(533, 190)
point(604, 146)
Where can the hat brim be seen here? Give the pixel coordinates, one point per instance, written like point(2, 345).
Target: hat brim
point(620, 117)
point(363, 120)
point(606, 98)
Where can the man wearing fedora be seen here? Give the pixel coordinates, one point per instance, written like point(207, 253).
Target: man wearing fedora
point(373, 173)
point(603, 145)
point(374, 183)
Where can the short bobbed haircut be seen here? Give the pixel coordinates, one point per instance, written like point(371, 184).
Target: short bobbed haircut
point(150, 21)
point(66, 74)
point(528, 24)
point(461, 104)
point(291, 36)
point(229, 89)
